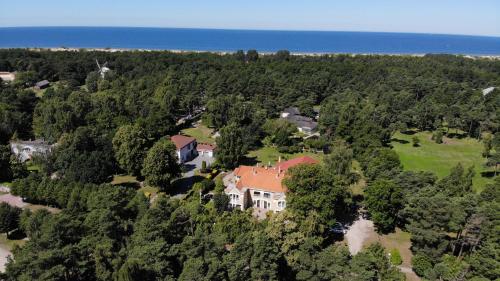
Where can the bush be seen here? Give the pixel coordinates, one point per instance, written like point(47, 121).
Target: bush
point(396, 257)
point(438, 137)
point(416, 141)
point(203, 166)
point(421, 264)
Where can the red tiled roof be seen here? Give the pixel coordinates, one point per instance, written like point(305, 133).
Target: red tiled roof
point(268, 179)
point(260, 178)
point(296, 161)
point(205, 147)
point(181, 141)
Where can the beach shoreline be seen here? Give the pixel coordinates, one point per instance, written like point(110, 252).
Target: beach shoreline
point(222, 53)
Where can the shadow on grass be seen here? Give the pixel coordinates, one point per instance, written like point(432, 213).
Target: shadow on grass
point(249, 161)
point(408, 132)
point(183, 185)
point(400, 141)
point(488, 174)
point(456, 135)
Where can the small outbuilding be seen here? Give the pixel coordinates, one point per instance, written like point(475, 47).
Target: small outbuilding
point(25, 150)
point(205, 149)
point(42, 84)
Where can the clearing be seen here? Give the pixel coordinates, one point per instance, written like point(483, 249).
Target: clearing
point(6, 246)
point(440, 158)
point(200, 132)
point(362, 233)
point(270, 154)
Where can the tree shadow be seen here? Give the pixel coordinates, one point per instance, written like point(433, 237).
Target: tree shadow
point(400, 141)
point(249, 161)
point(456, 135)
point(183, 185)
point(488, 174)
point(408, 132)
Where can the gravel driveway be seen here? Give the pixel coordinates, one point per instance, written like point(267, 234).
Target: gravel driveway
point(360, 230)
point(3, 258)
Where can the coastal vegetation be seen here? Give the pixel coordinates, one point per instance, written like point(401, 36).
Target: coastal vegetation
point(416, 136)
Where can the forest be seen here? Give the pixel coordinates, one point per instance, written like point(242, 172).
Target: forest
point(118, 122)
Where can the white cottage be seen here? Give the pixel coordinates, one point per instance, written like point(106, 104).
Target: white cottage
point(185, 146)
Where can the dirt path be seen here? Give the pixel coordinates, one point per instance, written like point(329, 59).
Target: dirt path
point(360, 231)
point(4, 253)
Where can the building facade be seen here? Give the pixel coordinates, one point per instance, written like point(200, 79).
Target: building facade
point(25, 150)
point(261, 188)
point(185, 147)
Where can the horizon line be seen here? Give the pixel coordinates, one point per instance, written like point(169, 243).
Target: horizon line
point(247, 29)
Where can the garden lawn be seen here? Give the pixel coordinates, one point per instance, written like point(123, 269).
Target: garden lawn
point(202, 134)
point(440, 158)
point(268, 154)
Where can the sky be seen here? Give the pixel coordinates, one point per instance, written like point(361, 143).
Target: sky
point(472, 17)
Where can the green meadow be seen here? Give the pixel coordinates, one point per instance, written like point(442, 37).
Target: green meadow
point(440, 158)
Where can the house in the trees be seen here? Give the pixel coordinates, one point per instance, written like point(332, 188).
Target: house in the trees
point(205, 149)
point(42, 84)
point(304, 124)
point(185, 147)
point(7, 76)
point(25, 150)
point(260, 187)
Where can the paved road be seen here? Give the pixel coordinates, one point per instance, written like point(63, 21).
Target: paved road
point(186, 182)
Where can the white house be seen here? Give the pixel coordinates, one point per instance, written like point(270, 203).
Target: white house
point(260, 187)
point(25, 150)
point(205, 149)
point(185, 146)
point(7, 76)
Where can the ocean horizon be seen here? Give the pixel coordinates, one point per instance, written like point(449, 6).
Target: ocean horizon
point(230, 40)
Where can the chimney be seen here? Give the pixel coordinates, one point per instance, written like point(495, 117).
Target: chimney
point(279, 159)
point(254, 171)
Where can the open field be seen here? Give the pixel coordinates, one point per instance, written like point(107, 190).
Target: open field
point(268, 154)
point(201, 133)
point(440, 158)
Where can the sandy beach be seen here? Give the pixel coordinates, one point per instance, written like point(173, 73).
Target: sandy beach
point(262, 53)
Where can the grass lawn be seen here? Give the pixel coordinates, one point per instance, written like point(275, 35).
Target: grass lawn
point(32, 166)
point(270, 154)
point(123, 179)
point(399, 240)
point(440, 158)
point(201, 133)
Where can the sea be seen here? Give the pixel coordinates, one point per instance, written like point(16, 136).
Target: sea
point(225, 40)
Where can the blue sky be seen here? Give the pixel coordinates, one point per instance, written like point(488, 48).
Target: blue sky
point(475, 17)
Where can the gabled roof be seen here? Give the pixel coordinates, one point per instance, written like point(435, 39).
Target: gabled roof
point(205, 147)
point(296, 161)
point(181, 141)
point(268, 179)
point(292, 110)
point(488, 90)
point(42, 83)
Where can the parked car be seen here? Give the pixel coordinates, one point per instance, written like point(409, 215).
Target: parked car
point(338, 228)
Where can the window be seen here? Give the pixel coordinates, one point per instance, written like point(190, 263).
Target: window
point(281, 204)
point(256, 193)
point(266, 205)
point(267, 195)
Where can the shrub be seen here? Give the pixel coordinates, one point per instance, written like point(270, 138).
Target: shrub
point(396, 257)
point(421, 264)
point(438, 137)
point(203, 166)
point(416, 141)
